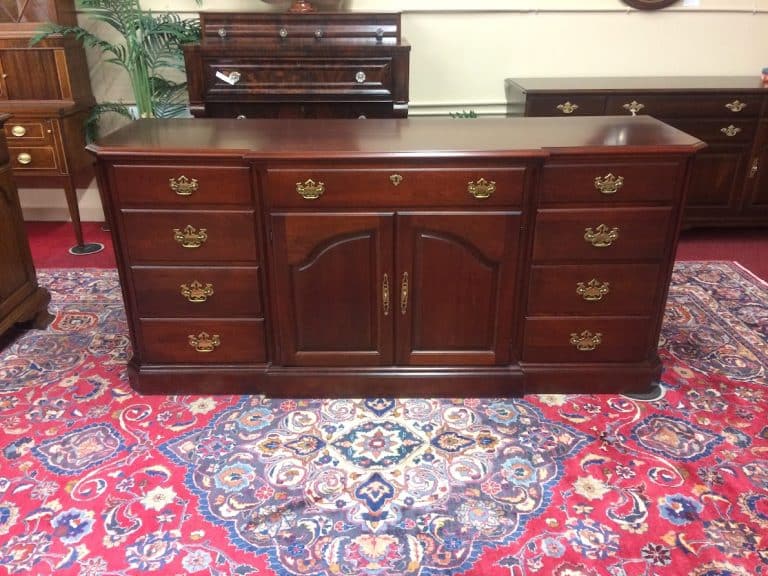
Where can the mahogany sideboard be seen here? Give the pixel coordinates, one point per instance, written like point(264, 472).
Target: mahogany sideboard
point(413, 257)
point(299, 65)
point(21, 298)
point(729, 182)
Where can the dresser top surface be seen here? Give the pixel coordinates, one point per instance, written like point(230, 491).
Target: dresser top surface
point(395, 138)
point(646, 83)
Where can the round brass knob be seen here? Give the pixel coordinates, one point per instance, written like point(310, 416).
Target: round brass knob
point(18, 131)
point(360, 77)
point(24, 158)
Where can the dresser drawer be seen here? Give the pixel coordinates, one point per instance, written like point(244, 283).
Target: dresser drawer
point(28, 132)
point(606, 289)
point(685, 105)
point(197, 292)
point(723, 130)
point(397, 186)
point(211, 236)
point(585, 339)
point(33, 157)
point(609, 234)
point(606, 182)
point(202, 341)
point(183, 185)
point(566, 105)
point(249, 77)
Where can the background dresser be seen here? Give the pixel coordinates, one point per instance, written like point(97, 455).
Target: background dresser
point(21, 299)
point(730, 179)
point(47, 89)
point(425, 256)
point(316, 65)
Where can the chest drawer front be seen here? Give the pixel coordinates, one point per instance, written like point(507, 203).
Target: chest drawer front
point(292, 76)
point(585, 339)
point(601, 235)
point(603, 289)
point(610, 182)
point(157, 236)
point(470, 187)
point(28, 132)
point(33, 158)
point(565, 105)
point(685, 105)
point(197, 292)
point(202, 341)
point(721, 130)
point(184, 185)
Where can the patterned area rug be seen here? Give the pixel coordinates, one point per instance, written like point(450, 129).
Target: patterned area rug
point(97, 480)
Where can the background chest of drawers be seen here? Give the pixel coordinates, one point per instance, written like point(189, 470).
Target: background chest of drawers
point(317, 65)
point(729, 184)
point(296, 258)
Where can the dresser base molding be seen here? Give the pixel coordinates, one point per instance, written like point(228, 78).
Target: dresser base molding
point(514, 381)
point(32, 308)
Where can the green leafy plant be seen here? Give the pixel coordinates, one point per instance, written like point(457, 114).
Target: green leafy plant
point(147, 45)
point(463, 114)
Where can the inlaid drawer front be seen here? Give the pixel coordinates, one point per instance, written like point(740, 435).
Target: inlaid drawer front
point(566, 105)
point(610, 182)
point(182, 185)
point(329, 76)
point(33, 157)
point(28, 132)
point(473, 187)
point(586, 339)
point(202, 341)
point(190, 236)
point(197, 291)
point(609, 234)
point(604, 289)
point(721, 130)
point(685, 105)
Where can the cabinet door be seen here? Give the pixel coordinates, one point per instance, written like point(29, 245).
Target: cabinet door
point(456, 287)
point(333, 288)
point(29, 74)
point(756, 197)
point(716, 181)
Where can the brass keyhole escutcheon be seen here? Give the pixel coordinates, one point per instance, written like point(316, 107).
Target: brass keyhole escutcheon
point(395, 179)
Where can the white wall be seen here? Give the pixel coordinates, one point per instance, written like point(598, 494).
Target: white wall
point(462, 50)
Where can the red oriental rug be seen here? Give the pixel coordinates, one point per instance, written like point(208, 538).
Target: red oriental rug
point(96, 480)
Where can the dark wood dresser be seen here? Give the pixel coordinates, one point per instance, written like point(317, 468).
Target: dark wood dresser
point(47, 89)
point(21, 299)
point(415, 257)
point(292, 65)
point(729, 180)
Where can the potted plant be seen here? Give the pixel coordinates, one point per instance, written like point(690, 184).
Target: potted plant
point(146, 45)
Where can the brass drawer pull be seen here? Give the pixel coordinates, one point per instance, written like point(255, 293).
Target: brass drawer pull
point(736, 106)
point(567, 107)
point(609, 184)
point(183, 186)
point(190, 237)
point(594, 290)
point(385, 294)
point(24, 158)
point(730, 131)
point(204, 342)
point(602, 237)
point(633, 107)
point(196, 292)
point(482, 188)
point(232, 78)
point(396, 179)
point(310, 190)
point(404, 294)
point(586, 341)
point(360, 77)
point(18, 131)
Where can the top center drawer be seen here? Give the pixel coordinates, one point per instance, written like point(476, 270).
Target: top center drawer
point(397, 186)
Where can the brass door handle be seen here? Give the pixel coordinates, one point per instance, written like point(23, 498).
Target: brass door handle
point(594, 290)
point(567, 107)
point(190, 237)
point(204, 342)
point(482, 188)
point(196, 292)
point(609, 184)
point(601, 237)
point(586, 341)
point(310, 190)
point(404, 294)
point(183, 186)
point(385, 294)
